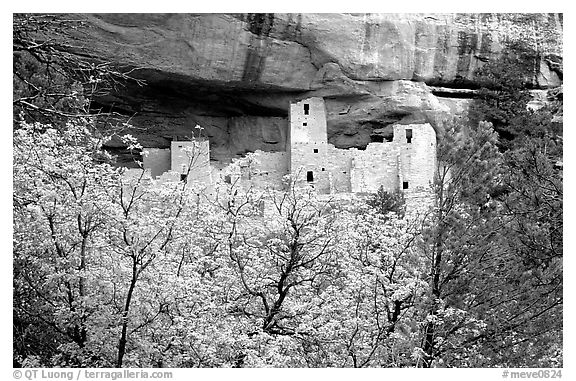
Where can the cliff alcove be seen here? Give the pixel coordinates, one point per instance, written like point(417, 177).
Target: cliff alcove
point(236, 74)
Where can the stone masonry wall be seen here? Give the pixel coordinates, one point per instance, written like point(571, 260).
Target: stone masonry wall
point(374, 167)
point(417, 158)
point(309, 144)
point(340, 166)
point(192, 158)
point(157, 160)
point(269, 168)
point(406, 164)
point(260, 170)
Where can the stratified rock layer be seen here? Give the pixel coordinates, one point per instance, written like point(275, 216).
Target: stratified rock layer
point(236, 74)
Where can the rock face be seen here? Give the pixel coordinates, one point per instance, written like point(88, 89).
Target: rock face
point(236, 74)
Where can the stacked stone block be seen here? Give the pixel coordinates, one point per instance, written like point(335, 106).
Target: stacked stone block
point(309, 144)
point(157, 161)
point(406, 164)
point(417, 157)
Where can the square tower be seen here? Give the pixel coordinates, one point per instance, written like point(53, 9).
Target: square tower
point(309, 144)
point(417, 148)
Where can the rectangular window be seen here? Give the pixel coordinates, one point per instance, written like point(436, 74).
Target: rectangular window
point(183, 177)
point(306, 109)
point(309, 176)
point(408, 135)
point(304, 124)
point(315, 150)
point(323, 169)
point(405, 185)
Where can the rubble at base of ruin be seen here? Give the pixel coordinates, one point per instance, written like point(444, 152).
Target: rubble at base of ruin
point(405, 164)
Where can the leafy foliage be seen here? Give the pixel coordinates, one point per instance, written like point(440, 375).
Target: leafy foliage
point(384, 202)
point(504, 92)
point(112, 268)
point(55, 80)
point(511, 276)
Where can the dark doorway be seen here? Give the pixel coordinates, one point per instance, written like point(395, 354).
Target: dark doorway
point(306, 108)
point(408, 135)
point(183, 177)
point(309, 176)
point(405, 185)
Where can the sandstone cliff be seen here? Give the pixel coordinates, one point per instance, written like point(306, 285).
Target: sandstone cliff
point(235, 74)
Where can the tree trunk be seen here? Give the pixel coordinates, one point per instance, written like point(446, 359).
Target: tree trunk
point(81, 334)
point(124, 335)
point(435, 273)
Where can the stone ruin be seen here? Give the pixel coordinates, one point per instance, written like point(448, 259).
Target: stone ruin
point(406, 163)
